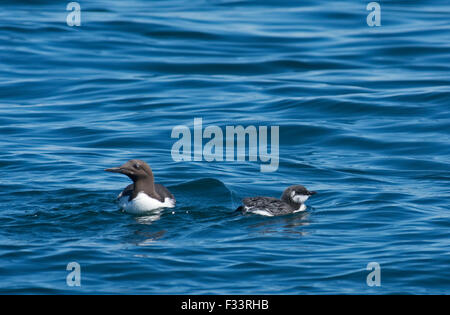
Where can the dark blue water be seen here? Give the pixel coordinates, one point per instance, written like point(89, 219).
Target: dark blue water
point(364, 120)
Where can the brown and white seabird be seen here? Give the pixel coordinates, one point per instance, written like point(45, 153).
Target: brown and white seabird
point(143, 195)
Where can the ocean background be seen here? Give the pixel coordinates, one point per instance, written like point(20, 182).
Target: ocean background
point(364, 120)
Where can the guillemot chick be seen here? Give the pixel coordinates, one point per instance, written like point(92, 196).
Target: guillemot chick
point(292, 200)
point(143, 195)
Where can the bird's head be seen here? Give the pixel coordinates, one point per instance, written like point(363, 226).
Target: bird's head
point(134, 169)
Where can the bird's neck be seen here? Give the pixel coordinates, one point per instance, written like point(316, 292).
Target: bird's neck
point(145, 185)
point(294, 205)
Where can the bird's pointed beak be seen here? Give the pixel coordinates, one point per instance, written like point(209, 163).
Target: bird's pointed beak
point(312, 193)
point(119, 170)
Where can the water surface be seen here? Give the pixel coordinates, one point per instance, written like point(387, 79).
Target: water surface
point(364, 120)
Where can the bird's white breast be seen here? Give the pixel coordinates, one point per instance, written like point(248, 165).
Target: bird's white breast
point(301, 208)
point(144, 203)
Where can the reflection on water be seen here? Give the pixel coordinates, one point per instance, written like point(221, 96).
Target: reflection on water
point(284, 224)
point(148, 218)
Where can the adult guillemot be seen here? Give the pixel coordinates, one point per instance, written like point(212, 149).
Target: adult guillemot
point(292, 200)
point(143, 195)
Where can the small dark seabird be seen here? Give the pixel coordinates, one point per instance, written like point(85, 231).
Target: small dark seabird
point(292, 200)
point(143, 195)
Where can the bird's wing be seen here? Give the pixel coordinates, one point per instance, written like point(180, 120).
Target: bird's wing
point(163, 192)
point(127, 192)
point(271, 205)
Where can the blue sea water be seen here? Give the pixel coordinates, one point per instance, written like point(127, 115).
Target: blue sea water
point(364, 120)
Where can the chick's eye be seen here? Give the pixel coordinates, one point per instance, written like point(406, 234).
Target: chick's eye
point(137, 166)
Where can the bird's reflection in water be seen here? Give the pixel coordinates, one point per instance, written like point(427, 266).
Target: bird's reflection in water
point(148, 219)
point(142, 236)
point(289, 224)
point(148, 238)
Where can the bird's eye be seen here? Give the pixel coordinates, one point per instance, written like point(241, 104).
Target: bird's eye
point(137, 166)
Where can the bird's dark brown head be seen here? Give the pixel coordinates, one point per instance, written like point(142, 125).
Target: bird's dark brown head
point(134, 169)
